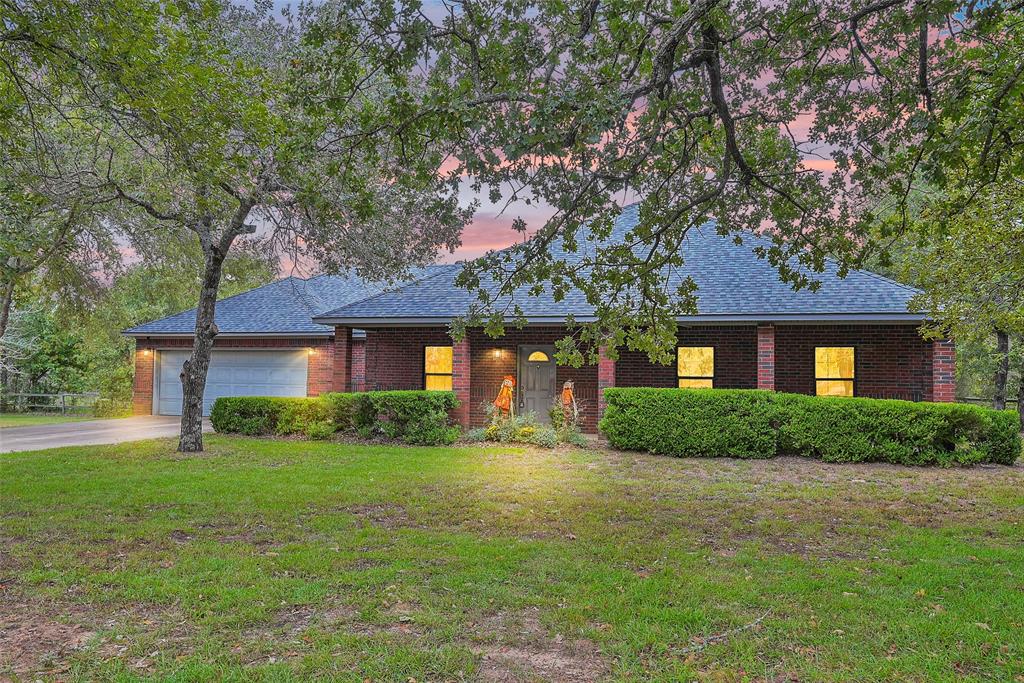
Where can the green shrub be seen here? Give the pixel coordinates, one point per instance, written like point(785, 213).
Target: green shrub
point(345, 409)
point(319, 429)
point(298, 415)
point(692, 423)
point(413, 417)
point(761, 424)
point(252, 415)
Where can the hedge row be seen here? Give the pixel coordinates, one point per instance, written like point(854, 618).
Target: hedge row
point(414, 417)
point(762, 424)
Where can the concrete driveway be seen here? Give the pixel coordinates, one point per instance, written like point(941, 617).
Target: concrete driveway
point(92, 432)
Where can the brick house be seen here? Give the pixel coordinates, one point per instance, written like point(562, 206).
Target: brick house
point(853, 336)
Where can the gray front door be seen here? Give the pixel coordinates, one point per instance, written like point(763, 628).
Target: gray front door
point(536, 380)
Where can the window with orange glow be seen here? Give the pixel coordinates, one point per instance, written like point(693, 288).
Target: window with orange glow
point(833, 370)
point(538, 357)
point(437, 368)
point(695, 367)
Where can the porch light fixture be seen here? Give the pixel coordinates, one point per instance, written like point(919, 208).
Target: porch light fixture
point(311, 351)
point(146, 352)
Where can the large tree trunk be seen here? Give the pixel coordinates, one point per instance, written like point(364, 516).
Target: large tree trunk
point(5, 316)
point(5, 306)
point(1002, 369)
point(1020, 399)
point(193, 373)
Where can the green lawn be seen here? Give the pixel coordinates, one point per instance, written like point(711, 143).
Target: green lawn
point(285, 560)
point(28, 419)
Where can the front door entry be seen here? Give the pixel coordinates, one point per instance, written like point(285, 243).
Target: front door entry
point(536, 380)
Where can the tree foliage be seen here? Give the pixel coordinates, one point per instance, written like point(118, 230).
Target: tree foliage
point(211, 121)
point(809, 121)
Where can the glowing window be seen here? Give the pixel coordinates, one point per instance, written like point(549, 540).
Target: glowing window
point(695, 367)
point(437, 368)
point(538, 357)
point(833, 370)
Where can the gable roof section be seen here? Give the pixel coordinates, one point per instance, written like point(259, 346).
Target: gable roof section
point(733, 285)
point(282, 308)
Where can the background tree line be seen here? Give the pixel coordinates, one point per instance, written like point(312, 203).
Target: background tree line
point(342, 132)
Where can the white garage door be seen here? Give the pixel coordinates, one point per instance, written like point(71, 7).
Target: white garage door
point(233, 373)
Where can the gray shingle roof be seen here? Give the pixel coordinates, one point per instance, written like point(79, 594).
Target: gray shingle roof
point(733, 283)
point(284, 307)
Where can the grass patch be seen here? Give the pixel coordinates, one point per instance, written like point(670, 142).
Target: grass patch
point(30, 419)
point(294, 560)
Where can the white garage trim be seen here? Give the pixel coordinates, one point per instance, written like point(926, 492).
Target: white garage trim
point(233, 372)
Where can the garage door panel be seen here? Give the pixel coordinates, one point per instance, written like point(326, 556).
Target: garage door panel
point(234, 373)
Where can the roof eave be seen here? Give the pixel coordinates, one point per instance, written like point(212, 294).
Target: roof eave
point(235, 335)
point(428, 321)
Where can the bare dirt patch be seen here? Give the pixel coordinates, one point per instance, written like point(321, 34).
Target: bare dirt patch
point(40, 637)
point(519, 648)
point(35, 643)
point(384, 515)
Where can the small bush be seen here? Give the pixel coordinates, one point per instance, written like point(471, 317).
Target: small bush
point(762, 424)
point(414, 417)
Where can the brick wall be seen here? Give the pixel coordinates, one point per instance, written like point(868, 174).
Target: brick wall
point(735, 359)
point(890, 361)
point(318, 380)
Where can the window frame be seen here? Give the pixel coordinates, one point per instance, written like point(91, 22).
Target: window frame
point(425, 374)
point(714, 366)
point(851, 380)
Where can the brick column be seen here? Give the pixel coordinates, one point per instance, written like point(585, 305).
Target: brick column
point(320, 369)
point(766, 357)
point(342, 359)
point(359, 365)
point(605, 379)
point(461, 380)
point(142, 387)
point(944, 371)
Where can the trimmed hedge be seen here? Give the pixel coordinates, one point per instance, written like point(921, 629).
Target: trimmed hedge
point(252, 415)
point(743, 423)
point(415, 417)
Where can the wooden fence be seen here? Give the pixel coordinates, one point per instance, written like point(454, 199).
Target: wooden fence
point(63, 403)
